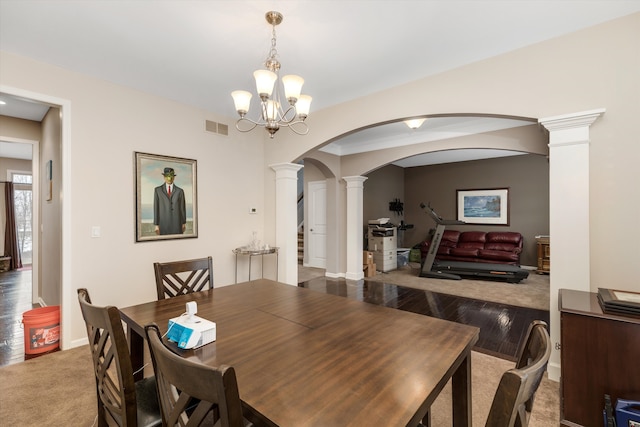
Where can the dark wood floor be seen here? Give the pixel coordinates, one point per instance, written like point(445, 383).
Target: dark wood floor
point(15, 299)
point(502, 327)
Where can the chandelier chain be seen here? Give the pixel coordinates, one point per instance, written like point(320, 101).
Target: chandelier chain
point(291, 112)
point(272, 62)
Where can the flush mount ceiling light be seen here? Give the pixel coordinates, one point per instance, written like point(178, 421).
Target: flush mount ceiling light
point(414, 123)
point(273, 114)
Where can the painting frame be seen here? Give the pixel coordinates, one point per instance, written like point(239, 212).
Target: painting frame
point(149, 178)
point(488, 206)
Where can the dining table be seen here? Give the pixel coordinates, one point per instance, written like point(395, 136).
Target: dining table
point(305, 358)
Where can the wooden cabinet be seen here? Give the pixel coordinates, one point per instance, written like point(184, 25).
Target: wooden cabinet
point(544, 254)
point(599, 355)
point(384, 247)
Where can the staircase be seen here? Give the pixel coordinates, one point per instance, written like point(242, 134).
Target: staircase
point(300, 246)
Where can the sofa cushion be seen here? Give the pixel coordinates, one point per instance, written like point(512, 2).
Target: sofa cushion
point(508, 237)
point(444, 250)
point(448, 241)
point(506, 247)
point(472, 237)
point(489, 254)
point(450, 237)
point(467, 252)
point(504, 241)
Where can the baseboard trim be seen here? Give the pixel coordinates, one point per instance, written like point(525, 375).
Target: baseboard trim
point(553, 372)
point(354, 276)
point(78, 343)
point(335, 275)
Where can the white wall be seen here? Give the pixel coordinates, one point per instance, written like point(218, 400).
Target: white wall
point(108, 123)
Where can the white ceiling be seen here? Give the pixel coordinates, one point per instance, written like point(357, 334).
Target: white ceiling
point(433, 129)
point(197, 52)
point(23, 109)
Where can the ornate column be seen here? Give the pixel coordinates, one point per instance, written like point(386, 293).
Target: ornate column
point(286, 221)
point(568, 213)
point(355, 186)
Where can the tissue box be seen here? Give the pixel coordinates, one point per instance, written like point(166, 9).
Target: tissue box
point(627, 413)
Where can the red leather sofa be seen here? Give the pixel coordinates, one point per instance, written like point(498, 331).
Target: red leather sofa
point(496, 247)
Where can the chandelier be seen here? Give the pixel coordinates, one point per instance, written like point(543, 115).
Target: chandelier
point(273, 113)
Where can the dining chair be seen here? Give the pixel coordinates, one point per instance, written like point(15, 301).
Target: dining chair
point(513, 401)
point(129, 403)
point(182, 382)
point(183, 277)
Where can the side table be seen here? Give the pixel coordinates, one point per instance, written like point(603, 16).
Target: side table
point(244, 250)
point(544, 255)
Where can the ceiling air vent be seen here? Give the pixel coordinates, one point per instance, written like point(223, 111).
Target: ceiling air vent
point(219, 128)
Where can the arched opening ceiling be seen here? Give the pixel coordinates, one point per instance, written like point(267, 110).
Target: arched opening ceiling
point(398, 134)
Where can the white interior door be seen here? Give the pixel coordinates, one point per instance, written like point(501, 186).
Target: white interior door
point(317, 229)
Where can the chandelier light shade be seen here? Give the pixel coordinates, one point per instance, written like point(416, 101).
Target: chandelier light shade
point(274, 113)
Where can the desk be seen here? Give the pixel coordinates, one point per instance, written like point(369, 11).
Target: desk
point(255, 252)
point(305, 358)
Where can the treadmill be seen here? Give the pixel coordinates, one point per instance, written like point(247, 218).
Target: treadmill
point(455, 270)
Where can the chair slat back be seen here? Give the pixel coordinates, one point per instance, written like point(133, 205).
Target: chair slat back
point(182, 383)
point(513, 401)
point(115, 385)
point(183, 277)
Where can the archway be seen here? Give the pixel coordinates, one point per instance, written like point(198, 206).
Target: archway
point(524, 136)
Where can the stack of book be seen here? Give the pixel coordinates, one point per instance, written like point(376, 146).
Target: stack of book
point(619, 302)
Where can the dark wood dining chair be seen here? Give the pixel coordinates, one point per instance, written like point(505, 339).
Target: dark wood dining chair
point(183, 277)
point(127, 402)
point(182, 382)
point(513, 401)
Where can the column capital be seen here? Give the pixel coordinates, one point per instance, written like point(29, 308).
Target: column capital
point(570, 129)
point(354, 181)
point(571, 121)
point(284, 167)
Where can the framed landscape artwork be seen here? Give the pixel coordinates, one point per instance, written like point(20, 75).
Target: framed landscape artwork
point(484, 206)
point(166, 197)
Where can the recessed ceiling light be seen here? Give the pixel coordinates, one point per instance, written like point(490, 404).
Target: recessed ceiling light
point(2, 102)
point(414, 123)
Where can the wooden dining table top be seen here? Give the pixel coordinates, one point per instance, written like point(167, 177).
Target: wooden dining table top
point(305, 358)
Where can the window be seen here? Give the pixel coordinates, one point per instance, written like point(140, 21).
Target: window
point(24, 213)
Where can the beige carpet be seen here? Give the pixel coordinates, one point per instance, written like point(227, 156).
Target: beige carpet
point(58, 389)
point(532, 292)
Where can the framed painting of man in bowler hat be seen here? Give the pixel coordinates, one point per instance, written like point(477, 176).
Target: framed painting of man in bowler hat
point(166, 197)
